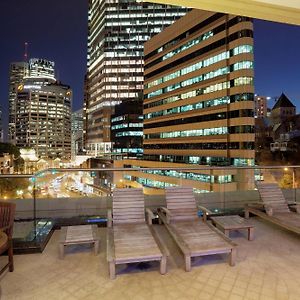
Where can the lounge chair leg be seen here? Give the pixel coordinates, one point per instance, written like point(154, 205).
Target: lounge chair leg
point(96, 246)
point(11, 258)
point(251, 233)
point(232, 257)
point(187, 263)
point(61, 250)
point(163, 265)
point(246, 213)
point(112, 270)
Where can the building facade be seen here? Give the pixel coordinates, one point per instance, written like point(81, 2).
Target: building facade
point(117, 31)
point(199, 103)
point(282, 110)
point(43, 114)
point(127, 130)
point(77, 132)
point(17, 72)
point(260, 106)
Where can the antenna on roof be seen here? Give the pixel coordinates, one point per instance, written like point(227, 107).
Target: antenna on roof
point(25, 51)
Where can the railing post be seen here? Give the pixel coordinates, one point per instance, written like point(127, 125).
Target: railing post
point(294, 186)
point(34, 206)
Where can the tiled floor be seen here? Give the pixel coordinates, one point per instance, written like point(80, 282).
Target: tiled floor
point(267, 268)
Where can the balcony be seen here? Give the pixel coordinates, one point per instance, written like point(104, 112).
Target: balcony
point(266, 268)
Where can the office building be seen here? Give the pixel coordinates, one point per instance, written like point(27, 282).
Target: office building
point(43, 113)
point(260, 106)
point(17, 72)
point(77, 132)
point(41, 68)
point(198, 103)
point(127, 130)
point(116, 34)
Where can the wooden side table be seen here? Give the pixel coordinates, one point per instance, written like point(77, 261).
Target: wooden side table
point(76, 235)
point(228, 223)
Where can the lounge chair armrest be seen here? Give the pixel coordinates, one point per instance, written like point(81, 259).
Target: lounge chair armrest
point(206, 212)
point(251, 204)
point(167, 212)
point(109, 218)
point(150, 216)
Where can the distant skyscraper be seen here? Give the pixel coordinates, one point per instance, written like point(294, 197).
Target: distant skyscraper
point(17, 72)
point(117, 32)
point(43, 112)
point(20, 71)
point(77, 132)
point(41, 68)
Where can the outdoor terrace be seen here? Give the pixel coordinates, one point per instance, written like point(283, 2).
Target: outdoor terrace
point(266, 268)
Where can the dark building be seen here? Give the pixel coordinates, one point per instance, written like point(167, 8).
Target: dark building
point(127, 129)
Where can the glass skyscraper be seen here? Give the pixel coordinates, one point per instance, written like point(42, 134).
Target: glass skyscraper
point(117, 30)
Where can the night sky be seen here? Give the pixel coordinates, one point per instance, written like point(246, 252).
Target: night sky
point(57, 30)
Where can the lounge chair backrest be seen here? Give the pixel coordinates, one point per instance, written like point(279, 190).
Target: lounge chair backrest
point(181, 203)
point(272, 196)
point(128, 206)
point(7, 213)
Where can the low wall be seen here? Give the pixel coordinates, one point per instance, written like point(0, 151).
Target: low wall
point(71, 207)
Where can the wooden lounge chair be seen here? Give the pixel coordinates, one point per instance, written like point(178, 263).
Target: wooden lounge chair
point(129, 238)
point(274, 208)
point(194, 237)
point(7, 214)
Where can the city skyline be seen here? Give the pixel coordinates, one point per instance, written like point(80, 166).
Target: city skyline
point(66, 45)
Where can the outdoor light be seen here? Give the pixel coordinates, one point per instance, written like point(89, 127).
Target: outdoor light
point(19, 192)
point(286, 169)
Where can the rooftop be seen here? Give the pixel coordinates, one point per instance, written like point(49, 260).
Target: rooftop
point(283, 101)
point(266, 268)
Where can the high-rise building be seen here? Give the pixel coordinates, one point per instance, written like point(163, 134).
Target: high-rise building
point(43, 112)
point(17, 72)
point(260, 106)
point(77, 132)
point(198, 103)
point(117, 31)
point(127, 129)
point(41, 68)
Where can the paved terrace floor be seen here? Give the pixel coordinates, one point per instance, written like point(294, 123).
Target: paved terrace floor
point(267, 268)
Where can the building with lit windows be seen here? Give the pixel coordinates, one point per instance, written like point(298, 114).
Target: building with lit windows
point(77, 132)
point(198, 103)
point(43, 115)
point(127, 130)
point(17, 72)
point(117, 31)
point(260, 106)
